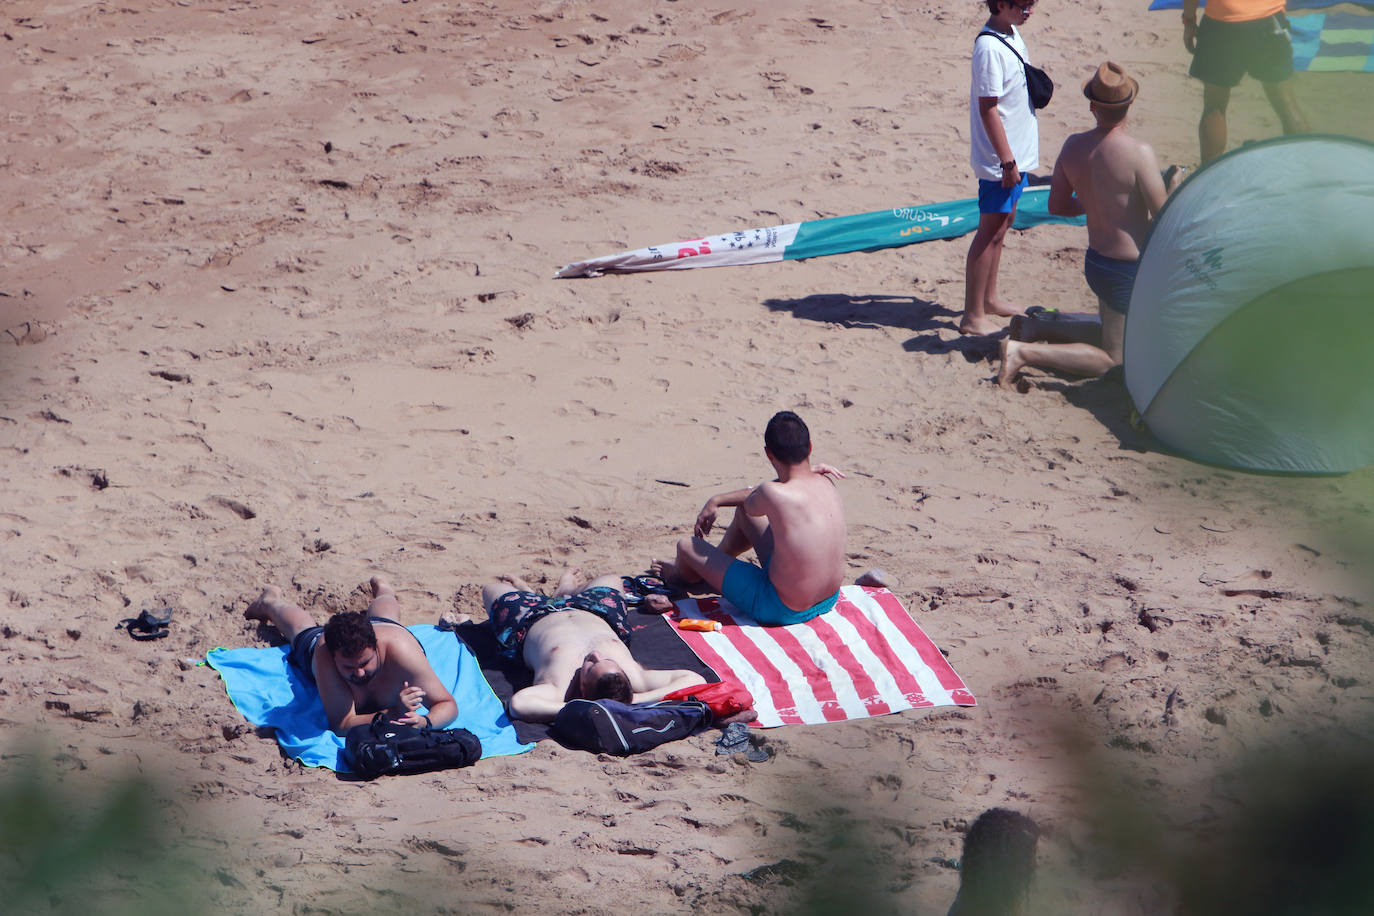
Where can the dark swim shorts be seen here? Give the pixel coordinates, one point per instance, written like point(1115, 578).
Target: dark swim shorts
point(303, 646)
point(1112, 279)
point(1226, 51)
point(514, 613)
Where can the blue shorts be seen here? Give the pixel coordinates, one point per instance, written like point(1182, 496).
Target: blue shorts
point(747, 588)
point(1112, 279)
point(993, 198)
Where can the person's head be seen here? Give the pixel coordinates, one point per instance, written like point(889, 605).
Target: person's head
point(353, 641)
point(1110, 92)
point(602, 678)
point(998, 863)
point(1013, 11)
point(787, 439)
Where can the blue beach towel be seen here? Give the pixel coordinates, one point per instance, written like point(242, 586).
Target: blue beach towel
point(269, 692)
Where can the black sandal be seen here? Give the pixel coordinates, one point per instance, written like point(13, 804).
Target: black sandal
point(148, 624)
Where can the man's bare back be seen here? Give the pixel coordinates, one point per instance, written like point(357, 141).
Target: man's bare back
point(1117, 180)
point(806, 519)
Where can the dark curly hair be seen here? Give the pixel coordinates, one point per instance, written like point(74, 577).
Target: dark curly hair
point(349, 633)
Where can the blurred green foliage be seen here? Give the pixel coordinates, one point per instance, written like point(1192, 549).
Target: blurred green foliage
point(72, 849)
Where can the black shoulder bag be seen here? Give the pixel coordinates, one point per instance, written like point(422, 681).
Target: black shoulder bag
point(1039, 86)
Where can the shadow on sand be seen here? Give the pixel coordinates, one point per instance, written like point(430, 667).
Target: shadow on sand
point(905, 312)
point(1105, 398)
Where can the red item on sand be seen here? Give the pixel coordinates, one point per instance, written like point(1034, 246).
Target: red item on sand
point(725, 698)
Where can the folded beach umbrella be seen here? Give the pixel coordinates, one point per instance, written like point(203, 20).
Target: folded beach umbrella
point(1251, 325)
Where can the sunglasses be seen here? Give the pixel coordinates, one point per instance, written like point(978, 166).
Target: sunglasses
point(1023, 7)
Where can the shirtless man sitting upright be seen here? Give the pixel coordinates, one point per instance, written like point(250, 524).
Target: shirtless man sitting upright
point(572, 641)
point(795, 525)
point(362, 662)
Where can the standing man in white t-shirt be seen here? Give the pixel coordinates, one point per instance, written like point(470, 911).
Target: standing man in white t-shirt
point(1005, 147)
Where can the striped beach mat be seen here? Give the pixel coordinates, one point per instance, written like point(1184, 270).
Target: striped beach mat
point(1333, 42)
point(867, 657)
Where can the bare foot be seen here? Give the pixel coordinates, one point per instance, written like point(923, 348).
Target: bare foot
point(261, 609)
point(978, 327)
point(876, 578)
point(1012, 363)
point(744, 715)
point(380, 587)
point(659, 604)
point(1001, 308)
point(519, 583)
point(666, 571)
point(570, 582)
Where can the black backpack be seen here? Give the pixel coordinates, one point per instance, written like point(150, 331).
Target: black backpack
point(612, 727)
point(380, 748)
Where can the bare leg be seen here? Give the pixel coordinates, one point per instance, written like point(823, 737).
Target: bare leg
point(992, 302)
point(570, 583)
point(1211, 129)
point(605, 582)
point(984, 257)
point(697, 561)
point(1285, 105)
point(271, 607)
point(1076, 358)
point(384, 602)
point(503, 585)
point(743, 534)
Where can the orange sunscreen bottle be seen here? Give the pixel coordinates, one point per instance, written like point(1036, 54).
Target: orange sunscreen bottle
point(693, 623)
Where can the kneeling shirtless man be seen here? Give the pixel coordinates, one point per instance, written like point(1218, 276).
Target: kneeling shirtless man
point(362, 662)
point(573, 643)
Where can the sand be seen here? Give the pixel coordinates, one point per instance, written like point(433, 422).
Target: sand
point(275, 281)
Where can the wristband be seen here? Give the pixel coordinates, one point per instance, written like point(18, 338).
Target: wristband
point(428, 723)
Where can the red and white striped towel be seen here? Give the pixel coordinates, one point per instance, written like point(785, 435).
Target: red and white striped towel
point(866, 657)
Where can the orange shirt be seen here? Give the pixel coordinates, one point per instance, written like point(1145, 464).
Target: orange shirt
point(1242, 10)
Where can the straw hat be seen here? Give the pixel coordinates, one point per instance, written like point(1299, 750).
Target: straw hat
point(1110, 87)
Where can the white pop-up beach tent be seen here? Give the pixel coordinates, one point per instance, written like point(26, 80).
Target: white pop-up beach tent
point(1250, 334)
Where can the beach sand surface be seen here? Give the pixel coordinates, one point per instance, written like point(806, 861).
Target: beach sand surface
point(277, 300)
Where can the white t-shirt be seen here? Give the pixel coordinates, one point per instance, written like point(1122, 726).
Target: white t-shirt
point(997, 73)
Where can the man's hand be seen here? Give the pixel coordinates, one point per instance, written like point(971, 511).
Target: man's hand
point(1190, 33)
point(1011, 177)
point(828, 471)
point(412, 698)
point(706, 519)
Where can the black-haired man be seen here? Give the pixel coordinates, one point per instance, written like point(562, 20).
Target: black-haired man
point(795, 525)
point(361, 662)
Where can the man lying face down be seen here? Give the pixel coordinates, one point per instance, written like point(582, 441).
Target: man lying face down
point(572, 641)
point(362, 663)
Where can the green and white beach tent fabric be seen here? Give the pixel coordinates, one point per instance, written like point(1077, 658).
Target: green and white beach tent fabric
point(1251, 325)
point(874, 231)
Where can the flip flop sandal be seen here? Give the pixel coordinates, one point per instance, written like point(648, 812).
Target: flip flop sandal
point(148, 624)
